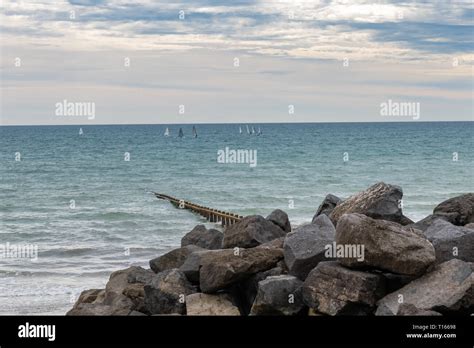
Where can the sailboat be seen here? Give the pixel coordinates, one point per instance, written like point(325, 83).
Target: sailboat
point(180, 133)
point(80, 131)
point(253, 130)
point(167, 132)
point(259, 131)
point(195, 134)
point(248, 130)
point(240, 130)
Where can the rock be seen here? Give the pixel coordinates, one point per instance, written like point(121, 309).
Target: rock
point(93, 309)
point(457, 210)
point(387, 245)
point(446, 289)
point(248, 288)
point(173, 259)
point(423, 224)
point(411, 310)
point(205, 304)
point(91, 296)
point(280, 218)
point(471, 225)
point(335, 290)
point(204, 238)
point(451, 241)
point(250, 232)
point(327, 206)
point(380, 201)
point(393, 281)
point(193, 263)
point(278, 295)
point(166, 293)
point(304, 248)
point(223, 268)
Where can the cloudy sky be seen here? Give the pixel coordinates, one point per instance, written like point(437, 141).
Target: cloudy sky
point(235, 61)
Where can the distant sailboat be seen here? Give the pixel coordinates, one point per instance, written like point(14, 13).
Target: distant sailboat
point(259, 131)
point(253, 130)
point(180, 133)
point(195, 134)
point(80, 131)
point(248, 130)
point(167, 132)
point(240, 130)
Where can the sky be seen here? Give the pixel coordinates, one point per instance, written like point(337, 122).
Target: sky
point(202, 61)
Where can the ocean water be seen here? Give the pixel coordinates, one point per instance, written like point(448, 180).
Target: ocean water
point(90, 212)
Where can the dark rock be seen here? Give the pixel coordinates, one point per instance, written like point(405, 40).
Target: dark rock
point(387, 245)
point(250, 232)
point(446, 289)
point(278, 295)
point(380, 201)
point(304, 248)
point(411, 310)
point(457, 210)
point(193, 263)
point(248, 288)
point(223, 268)
point(280, 218)
point(204, 238)
point(423, 224)
point(327, 206)
point(97, 309)
point(393, 281)
point(206, 304)
point(173, 259)
point(335, 290)
point(166, 293)
point(451, 241)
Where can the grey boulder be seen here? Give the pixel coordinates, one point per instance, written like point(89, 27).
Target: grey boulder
point(457, 210)
point(206, 304)
point(327, 206)
point(203, 237)
point(387, 245)
point(280, 218)
point(173, 259)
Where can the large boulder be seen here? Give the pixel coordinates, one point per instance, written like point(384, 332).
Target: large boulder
point(446, 289)
point(206, 304)
point(173, 259)
point(451, 241)
point(380, 201)
point(457, 210)
point(166, 293)
point(387, 245)
point(411, 310)
point(97, 309)
point(327, 206)
point(426, 222)
point(335, 290)
point(193, 263)
point(305, 247)
point(280, 218)
point(278, 295)
point(203, 237)
point(250, 232)
point(223, 268)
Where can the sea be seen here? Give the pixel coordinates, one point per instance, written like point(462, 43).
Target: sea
point(79, 199)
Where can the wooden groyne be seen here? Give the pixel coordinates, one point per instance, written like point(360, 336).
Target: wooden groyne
point(212, 215)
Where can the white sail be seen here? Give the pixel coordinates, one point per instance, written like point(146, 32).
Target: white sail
point(253, 130)
point(248, 130)
point(167, 132)
point(259, 131)
point(80, 131)
point(240, 130)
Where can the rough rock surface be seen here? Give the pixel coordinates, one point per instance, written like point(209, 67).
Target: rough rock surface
point(173, 259)
point(335, 290)
point(226, 267)
point(250, 232)
point(380, 201)
point(304, 248)
point(327, 206)
point(166, 293)
point(387, 245)
point(457, 210)
point(203, 237)
point(206, 304)
point(410, 310)
point(447, 288)
point(451, 241)
point(278, 295)
point(280, 218)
